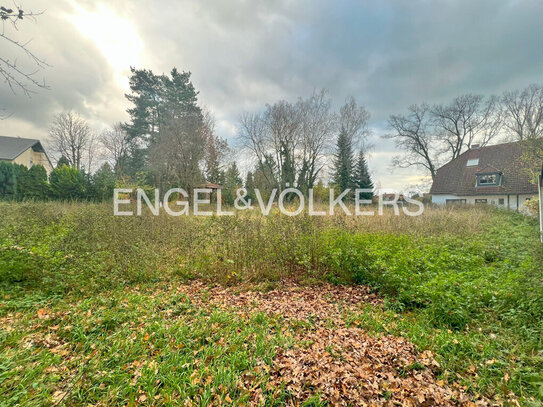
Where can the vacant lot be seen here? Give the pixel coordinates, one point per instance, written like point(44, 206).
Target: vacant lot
point(442, 309)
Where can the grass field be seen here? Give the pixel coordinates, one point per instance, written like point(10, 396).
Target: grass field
point(445, 308)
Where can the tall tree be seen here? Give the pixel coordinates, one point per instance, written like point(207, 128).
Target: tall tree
point(71, 138)
point(116, 146)
point(176, 154)
point(216, 150)
point(232, 181)
point(165, 115)
point(362, 178)
point(282, 123)
point(253, 137)
point(343, 161)
point(250, 185)
point(414, 135)
point(524, 112)
point(147, 94)
point(353, 121)
point(317, 127)
point(264, 178)
point(467, 120)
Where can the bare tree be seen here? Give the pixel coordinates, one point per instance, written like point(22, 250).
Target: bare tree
point(72, 138)
point(524, 112)
point(15, 76)
point(275, 133)
point(115, 143)
point(282, 124)
point(317, 127)
point(413, 133)
point(216, 149)
point(468, 120)
point(176, 155)
point(353, 120)
point(252, 133)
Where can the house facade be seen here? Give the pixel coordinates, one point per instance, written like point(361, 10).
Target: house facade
point(28, 152)
point(494, 175)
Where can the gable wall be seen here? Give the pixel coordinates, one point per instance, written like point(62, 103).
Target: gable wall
point(36, 158)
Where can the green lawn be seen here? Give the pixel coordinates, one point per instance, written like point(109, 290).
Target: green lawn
point(96, 309)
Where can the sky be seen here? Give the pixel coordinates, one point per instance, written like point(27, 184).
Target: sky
point(245, 53)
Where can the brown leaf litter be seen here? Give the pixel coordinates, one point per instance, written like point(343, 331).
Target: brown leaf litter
point(345, 366)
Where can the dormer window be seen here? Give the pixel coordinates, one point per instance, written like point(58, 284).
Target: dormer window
point(484, 180)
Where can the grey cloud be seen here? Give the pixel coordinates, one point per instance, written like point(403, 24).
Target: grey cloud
point(246, 53)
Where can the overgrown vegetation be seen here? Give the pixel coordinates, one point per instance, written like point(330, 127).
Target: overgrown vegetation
point(464, 283)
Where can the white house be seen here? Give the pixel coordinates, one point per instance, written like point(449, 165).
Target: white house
point(495, 175)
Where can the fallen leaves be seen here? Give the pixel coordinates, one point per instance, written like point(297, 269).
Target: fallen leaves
point(348, 367)
point(290, 300)
point(345, 366)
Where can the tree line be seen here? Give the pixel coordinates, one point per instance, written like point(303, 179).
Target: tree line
point(430, 136)
point(17, 182)
point(170, 141)
point(294, 144)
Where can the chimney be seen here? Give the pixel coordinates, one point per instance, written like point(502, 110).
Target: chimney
point(474, 146)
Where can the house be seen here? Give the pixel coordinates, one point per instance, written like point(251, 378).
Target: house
point(25, 151)
point(495, 175)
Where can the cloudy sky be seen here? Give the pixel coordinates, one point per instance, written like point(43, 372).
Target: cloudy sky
point(243, 54)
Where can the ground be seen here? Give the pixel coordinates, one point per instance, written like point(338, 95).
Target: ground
point(149, 311)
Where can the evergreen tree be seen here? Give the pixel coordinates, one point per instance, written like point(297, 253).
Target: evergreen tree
point(232, 182)
point(63, 161)
point(8, 180)
point(67, 183)
point(147, 93)
point(164, 121)
point(264, 176)
point(32, 183)
point(343, 162)
point(103, 183)
point(362, 177)
point(250, 186)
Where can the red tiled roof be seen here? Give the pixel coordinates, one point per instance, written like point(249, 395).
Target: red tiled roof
point(456, 178)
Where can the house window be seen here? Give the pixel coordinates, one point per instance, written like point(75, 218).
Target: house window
point(488, 180)
point(455, 201)
point(501, 201)
point(481, 201)
point(473, 163)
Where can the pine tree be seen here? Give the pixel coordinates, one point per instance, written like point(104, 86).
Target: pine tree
point(32, 183)
point(8, 180)
point(62, 161)
point(343, 162)
point(250, 186)
point(67, 183)
point(362, 177)
point(103, 183)
point(232, 182)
